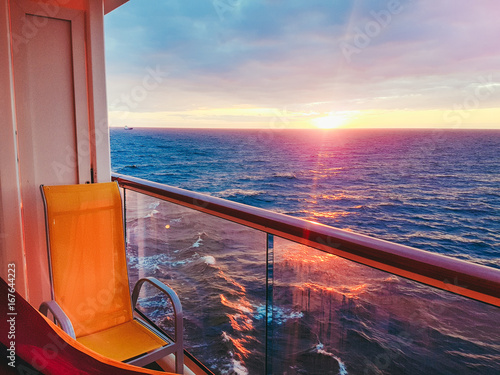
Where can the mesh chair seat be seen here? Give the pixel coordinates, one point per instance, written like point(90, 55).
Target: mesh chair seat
point(123, 342)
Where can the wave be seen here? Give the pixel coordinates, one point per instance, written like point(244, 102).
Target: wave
point(233, 193)
point(234, 367)
point(208, 260)
point(133, 168)
point(280, 315)
point(320, 350)
point(287, 175)
point(151, 209)
point(198, 242)
point(152, 263)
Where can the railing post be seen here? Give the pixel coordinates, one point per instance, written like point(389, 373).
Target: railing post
point(269, 303)
point(125, 216)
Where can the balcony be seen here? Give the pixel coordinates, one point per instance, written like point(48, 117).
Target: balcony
point(265, 293)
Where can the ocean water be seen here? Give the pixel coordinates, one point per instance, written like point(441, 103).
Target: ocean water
point(434, 190)
point(431, 189)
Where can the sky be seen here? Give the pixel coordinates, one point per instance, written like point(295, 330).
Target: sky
point(304, 64)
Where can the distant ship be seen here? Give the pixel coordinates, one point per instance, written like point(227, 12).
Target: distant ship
point(127, 128)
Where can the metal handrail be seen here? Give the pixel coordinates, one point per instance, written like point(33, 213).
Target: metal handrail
point(454, 275)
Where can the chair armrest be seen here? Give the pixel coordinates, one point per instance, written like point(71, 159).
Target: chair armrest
point(59, 316)
point(178, 318)
point(170, 293)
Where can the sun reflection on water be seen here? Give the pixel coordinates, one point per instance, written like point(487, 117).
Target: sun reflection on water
point(348, 291)
point(243, 306)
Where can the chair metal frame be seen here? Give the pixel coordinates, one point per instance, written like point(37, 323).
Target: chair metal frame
point(174, 345)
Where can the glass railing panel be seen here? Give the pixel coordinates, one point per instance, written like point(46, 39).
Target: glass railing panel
point(218, 270)
point(334, 316)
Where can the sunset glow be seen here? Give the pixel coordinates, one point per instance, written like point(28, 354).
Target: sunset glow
point(295, 64)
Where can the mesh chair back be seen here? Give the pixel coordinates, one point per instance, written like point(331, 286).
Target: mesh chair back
point(87, 255)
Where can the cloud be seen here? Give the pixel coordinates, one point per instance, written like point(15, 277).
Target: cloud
point(356, 55)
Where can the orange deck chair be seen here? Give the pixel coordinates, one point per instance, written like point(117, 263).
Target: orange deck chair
point(91, 299)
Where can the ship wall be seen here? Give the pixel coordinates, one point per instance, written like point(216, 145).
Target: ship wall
point(54, 127)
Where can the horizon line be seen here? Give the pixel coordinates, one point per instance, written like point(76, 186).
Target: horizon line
point(303, 128)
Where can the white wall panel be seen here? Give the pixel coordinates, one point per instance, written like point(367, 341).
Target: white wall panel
point(50, 90)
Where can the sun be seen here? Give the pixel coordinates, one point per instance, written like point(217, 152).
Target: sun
point(332, 121)
point(329, 122)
